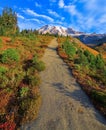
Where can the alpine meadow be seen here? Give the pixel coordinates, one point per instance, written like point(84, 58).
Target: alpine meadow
point(53, 65)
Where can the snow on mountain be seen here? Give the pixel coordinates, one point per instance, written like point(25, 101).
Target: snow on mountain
point(84, 37)
point(57, 30)
point(53, 30)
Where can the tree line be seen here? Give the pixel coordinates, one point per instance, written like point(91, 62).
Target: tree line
point(9, 24)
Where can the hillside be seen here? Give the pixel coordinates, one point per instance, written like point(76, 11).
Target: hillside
point(84, 46)
point(20, 64)
point(98, 49)
point(88, 67)
point(102, 49)
point(91, 40)
point(65, 106)
point(24, 90)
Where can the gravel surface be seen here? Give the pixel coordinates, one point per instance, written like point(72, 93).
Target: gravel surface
point(64, 104)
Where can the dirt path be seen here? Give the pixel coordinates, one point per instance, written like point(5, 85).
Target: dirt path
point(65, 106)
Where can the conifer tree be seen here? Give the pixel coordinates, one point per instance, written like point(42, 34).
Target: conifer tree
point(8, 22)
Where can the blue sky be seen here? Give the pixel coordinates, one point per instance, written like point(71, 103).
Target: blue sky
point(82, 15)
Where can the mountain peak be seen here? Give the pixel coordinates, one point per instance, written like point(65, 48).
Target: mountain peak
point(51, 29)
point(84, 37)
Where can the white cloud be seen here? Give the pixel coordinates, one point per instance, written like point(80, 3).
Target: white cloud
point(96, 15)
point(30, 23)
point(53, 13)
point(92, 16)
point(26, 25)
point(102, 19)
point(60, 23)
point(35, 20)
point(33, 13)
point(20, 16)
point(72, 10)
point(61, 3)
point(62, 18)
point(37, 4)
point(95, 6)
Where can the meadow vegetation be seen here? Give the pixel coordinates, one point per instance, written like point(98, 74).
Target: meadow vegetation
point(20, 64)
point(88, 67)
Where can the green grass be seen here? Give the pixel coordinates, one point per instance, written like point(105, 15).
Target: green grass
point(99, 97)
point(89, 69)
point(3, 70)
point(10, 55)
point(1, 43)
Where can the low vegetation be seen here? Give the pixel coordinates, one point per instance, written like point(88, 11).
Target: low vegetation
point(20, 64)
point(102, 49)
point(88, 67)
point(9, 56)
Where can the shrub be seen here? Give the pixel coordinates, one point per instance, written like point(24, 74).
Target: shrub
point(31, 71)
point(3, 81)
point(40, 66)
point(34, 80)
point(77, 67)
point(87, 53)
point(99, 62)
point(1, 43)
point(35, 59)
point(2, 31)
point(23, 91)
point(10, 55)
point(3, 70)
point(100, 77)
point(92, 61)
point(29, 108)
point(99, 97)
point(69, 48)
point(82, 59)
point(31, 80)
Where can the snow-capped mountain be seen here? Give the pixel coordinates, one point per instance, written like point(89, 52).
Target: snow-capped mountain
point(84, 37)
point(58, 30)
point(53, 30)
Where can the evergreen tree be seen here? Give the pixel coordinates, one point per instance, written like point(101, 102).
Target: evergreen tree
point(100, 62)
point(8, 22)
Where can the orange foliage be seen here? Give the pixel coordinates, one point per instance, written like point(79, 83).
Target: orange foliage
point(85, 47)
point(4, 99)
point(6, 39)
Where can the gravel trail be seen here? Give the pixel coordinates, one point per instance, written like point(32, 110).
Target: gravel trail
point(64, 105)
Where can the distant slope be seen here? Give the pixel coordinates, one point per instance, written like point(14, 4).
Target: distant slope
point(82, 45)
point(91, 39)
point(86, 41)
point(95, 39)
point(102, 49)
